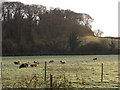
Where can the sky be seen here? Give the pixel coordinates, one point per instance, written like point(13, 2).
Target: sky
point(104, 12)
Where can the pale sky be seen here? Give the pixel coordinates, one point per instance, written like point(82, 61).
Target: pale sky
point(104, 12)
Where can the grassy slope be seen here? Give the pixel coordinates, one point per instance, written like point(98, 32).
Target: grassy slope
point(107, 40)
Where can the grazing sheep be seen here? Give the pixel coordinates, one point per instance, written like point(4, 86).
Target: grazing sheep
point(34, 65)
point(62, 62)
point(24, 65)
point(36, 62)
point(51, 61)
point(17, 63)
point(94, 58)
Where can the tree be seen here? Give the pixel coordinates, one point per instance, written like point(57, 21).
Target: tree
point(73, 41)
point(112, 46)
point(26, 27)
point(85, 20)
point(98, 32)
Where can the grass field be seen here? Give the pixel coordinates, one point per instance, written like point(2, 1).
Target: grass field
point(80, 71)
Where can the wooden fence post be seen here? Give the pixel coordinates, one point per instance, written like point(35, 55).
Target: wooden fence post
point(1, 76)
point(51, 81)
point(1, 68)
point(45, 70)
point(102, 72)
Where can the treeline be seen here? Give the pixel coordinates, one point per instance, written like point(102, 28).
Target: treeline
point(34, 30)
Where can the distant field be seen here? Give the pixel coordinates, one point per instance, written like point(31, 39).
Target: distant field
point(104, 40)
point(80, 71)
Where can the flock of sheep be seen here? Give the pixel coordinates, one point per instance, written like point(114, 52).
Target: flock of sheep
point(34, 64)
point(24, 65)
point(62, 62)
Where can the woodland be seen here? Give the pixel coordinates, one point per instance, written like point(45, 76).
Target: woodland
point(35, 30)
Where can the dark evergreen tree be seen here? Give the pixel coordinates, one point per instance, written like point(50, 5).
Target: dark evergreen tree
point(73, 41)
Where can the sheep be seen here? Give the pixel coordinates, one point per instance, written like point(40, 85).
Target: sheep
point(36, 62)
point(24, 65)
point(62, 62)
point(17, 63)
point(34, 65)
point(51, 61)
point(94, 58)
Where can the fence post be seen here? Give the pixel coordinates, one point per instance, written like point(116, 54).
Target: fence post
point(102, 72)
point(51, 81)
point(45, 70)
point(1, 68)
point(1, 76)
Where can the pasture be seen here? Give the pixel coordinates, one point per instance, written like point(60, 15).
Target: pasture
point(79, 71)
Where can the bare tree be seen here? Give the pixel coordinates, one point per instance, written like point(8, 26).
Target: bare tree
point(98, 32)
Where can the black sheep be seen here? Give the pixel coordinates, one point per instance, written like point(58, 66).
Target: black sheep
point(51, 61)
point(17, 63)
point(24, 65)
point(94, 58)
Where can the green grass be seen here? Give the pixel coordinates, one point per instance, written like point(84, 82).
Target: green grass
point(79, 71)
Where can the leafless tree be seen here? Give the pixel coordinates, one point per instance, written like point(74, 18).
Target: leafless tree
point(98, 32)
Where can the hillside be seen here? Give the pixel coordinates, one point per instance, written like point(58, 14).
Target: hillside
point(34, 30)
